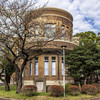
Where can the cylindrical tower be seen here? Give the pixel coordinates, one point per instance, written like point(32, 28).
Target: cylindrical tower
point(47, 68)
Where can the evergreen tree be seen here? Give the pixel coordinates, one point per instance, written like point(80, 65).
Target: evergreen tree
point(84, 62)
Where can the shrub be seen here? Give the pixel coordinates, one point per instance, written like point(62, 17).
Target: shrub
point(89, 89)
point(56, 90)
point(29, 90)
point(97, 85)
point(66, 87)
point(74, 90)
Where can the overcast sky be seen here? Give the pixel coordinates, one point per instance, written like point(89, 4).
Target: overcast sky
point(86, 13)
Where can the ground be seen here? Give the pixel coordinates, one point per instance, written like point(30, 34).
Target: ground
point(51, 98)
point(42, 96)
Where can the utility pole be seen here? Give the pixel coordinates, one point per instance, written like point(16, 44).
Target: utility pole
point(63, 47)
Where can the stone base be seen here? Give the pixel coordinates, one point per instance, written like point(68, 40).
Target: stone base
point(58, 82)
point(48, 82)
point(28, 82)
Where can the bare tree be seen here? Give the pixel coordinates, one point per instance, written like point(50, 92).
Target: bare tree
point(6, 68)
point(18, 25)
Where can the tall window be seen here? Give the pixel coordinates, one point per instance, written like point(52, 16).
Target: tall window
point(36, 66)
point(53, 65)
point(63, 32)
point(50, 30)
point(36, 31)
point(46, 66)
point(67, 35)
point(30, 68)
point(25, 72)
point(62, 67)
point(31, 30)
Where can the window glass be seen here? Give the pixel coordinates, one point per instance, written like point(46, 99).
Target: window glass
point(67, 35)
point(53, 65)
point(31, 30)
point(46, 66)
point(63, 32)
point(50, 30)
point(62, 66)
point(36, 31)
point(30, 68)
point(36, 66)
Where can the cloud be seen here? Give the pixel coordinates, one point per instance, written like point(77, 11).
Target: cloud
point(86, 13)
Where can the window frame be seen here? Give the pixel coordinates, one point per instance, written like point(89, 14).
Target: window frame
point(62, 67)
point(62, 32)
point(67, 35)
point(30, 68)
point(36, 31)
point(36, 62)
point(44, 65)
point(50, 31)
point(52, 66)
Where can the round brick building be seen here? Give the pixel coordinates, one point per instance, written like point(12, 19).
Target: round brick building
point(47, 68)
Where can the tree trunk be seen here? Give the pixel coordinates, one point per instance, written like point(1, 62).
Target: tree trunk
point(19, 83)
point(91, 78)
point(96, 78)
point(7, 87)
point(85, 81)
point(19, 78)
point(79, 85)
point(7, 81)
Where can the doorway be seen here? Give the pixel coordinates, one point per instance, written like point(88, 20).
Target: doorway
point(41, 84)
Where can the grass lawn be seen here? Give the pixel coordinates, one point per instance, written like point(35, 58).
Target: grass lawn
point(41, 96)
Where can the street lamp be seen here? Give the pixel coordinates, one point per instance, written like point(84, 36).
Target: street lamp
point(63, 47)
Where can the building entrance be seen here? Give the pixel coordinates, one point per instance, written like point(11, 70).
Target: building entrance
point(41, 84)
